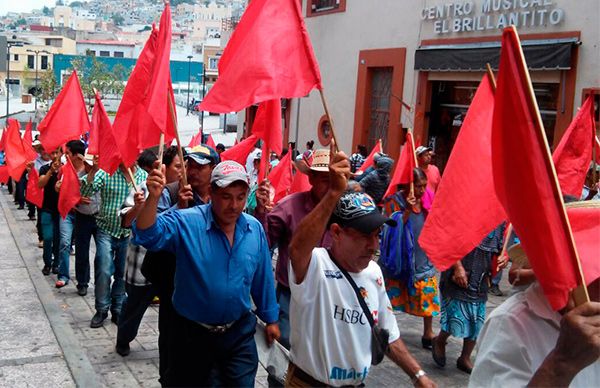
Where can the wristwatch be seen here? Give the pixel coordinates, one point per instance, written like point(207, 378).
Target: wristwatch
point(418, 375)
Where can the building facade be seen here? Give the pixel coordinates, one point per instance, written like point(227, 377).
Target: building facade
point(389, 65)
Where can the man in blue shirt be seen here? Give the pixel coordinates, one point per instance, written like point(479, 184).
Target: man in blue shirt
point(222, 259)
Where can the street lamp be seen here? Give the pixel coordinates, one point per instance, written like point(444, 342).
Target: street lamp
point(36, 65)
point(189, 57)
point(8, 46)
point(203, 91)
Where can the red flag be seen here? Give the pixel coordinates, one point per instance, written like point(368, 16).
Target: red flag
point(285, 68)
point(267, 125)
point(109, 157)
point(525, 180)
point(136, 127)
point(4, 175)
point(281, 177)
point(34, 195)
point(28, 141)
point(466, 207)
point(240, 152)
point(585, 222)
point(69, 194)
point(300, 183)
point(196, 139)
point(67, 118)
point(403, 173)
point(16, 156)
point(369, 161)
point(210, 142)
point(93, 138)
point(573, 154)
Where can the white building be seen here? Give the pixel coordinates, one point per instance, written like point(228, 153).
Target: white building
point(106, 48)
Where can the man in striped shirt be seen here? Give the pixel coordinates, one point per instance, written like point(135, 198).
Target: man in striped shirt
point(112, 238)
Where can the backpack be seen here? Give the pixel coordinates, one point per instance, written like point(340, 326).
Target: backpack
point(391, 247)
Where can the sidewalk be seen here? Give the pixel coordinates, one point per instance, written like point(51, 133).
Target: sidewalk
point(45, 338)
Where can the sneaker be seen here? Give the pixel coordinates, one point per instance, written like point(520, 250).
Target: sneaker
point(31, 218)
point(40, 244)
point(495, 290)
point(46, 270)
point(55, 270)
point(122, 349)
point(98, 319)
point(60, 284)
point(82, 291)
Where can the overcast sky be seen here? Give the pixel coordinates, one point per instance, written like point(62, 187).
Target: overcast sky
point(23, 5)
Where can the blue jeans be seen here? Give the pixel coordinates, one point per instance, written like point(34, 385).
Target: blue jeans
point(111, 253)
point(496, 279)
point(64, 253)
point(50, 231)
point(85, 228)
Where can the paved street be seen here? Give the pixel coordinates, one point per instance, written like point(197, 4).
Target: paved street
point(45, 338)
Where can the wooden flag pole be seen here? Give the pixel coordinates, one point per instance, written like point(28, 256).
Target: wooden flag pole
point(324, 102)
point(179, 150)
point(135, 186)
point(490, 75)
point(412, 144)
point(580, 294)
point(594, 174)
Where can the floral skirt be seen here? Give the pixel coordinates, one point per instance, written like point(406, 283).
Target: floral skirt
point(462, 319)
point(422, 301)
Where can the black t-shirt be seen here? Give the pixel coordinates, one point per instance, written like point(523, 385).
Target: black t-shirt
point(50, 203)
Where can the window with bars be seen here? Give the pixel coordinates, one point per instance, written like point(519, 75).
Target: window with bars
point(44, 63)
point(379, 116)
point(323, 7)
point(31, 61)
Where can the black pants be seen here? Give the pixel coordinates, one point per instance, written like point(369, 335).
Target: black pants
point(136, 304)
point(195, 354)
point(20, 190)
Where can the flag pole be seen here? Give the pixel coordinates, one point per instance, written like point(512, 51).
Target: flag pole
point(490, 75)
point(580, 294)
point(179, 150)
point(412, 143)
point(324, 102)
point(135, 187)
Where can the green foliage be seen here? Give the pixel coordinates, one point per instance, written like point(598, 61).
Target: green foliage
point(46, 11)
point(94, 74)
point(175, 3)
point(75, 4)
point(48, 85)
point(117, 19)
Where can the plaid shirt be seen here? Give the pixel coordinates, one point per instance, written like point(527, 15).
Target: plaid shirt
point(113, 191)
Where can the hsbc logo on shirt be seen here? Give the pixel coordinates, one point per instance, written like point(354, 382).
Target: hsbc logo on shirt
point(331, 274)
point(349, 316)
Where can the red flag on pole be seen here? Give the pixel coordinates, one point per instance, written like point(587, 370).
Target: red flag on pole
point(109, 157)
point(4, 175)
point(369, 161)
point(525, 179)
point(281, 177)
point(210, 142)
point(16, 156)
point(240, 152)
point(403, 174)
point(34, 194)
point(573, 154)
point(28, 141)
point(300, 183)
point(267, 125)
point(144, 111)
point(69, 194)
point(196, 139)
point(67, 118)
point(286, 67)
point(466, 207)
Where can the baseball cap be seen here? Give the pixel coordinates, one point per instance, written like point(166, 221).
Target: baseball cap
point(227, 172)
point(203, 154)
point(421, 149)
point(36, 143)
point(358, 211)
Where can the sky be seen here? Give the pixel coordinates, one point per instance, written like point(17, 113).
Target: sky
point(23, 5)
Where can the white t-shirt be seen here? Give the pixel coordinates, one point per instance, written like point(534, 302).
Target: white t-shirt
point(515, 340)
point(330, 336)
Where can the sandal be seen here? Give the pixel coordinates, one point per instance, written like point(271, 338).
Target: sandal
point(60, 283)
point(440, 360)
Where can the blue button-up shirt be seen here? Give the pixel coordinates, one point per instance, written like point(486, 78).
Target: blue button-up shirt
point(214, 280)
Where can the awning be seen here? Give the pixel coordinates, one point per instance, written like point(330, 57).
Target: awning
point(548, 54)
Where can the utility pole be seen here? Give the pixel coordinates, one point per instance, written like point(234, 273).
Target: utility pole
point(203, 92)
point(36, 65)
point(189, 57)
point(8, 46)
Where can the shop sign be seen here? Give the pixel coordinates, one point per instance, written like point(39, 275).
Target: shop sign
point(483, 15)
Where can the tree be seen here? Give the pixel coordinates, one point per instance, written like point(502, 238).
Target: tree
point(175, 3)
point(46, 11)
point(48, 85)
point(76, 4)
point(117, 19)
point(120, 75)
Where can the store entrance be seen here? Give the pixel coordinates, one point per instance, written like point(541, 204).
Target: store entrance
point(450, 101)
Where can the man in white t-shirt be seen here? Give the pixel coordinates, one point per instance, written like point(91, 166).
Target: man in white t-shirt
point(330, 334)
